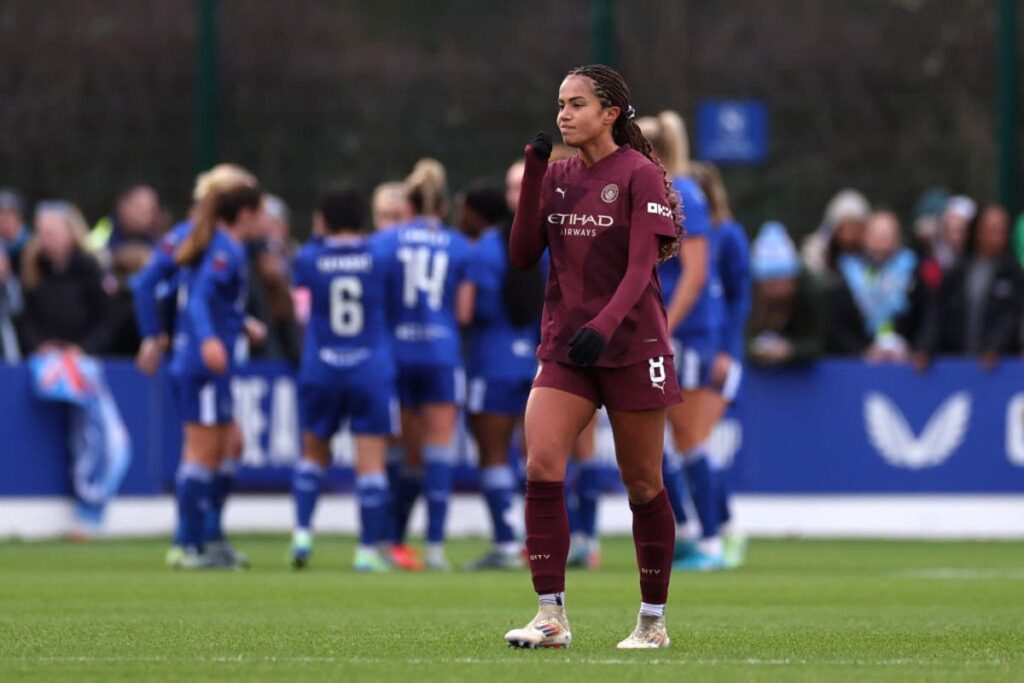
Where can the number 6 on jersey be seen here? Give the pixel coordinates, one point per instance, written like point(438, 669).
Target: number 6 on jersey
point(346, 306)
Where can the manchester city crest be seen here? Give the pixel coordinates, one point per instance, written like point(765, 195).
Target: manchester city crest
point(610, 193)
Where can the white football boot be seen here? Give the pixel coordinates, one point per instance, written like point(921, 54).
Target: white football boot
point(649, 634)
point(550, 628)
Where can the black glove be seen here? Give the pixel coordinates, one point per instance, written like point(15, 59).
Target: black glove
point(586, 346)
point(541, 146)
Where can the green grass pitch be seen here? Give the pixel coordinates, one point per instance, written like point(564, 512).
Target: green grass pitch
point(799, 611)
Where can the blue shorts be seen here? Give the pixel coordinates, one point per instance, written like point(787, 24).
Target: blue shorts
point(203, 399)
point(420, 384)
point(695, 360)
point(370, 409)
point(498, 396)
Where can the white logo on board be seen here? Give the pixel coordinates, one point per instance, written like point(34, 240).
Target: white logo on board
point(895, 441)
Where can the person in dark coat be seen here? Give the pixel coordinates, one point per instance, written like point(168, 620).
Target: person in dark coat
point(978, 309)
point(65, 305)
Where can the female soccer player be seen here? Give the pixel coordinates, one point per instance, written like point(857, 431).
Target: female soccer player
point(607, 217)
point(733, 251)
point(500, 361)
point(347, 371)
point(154, 289)
point(693, 295)
point(211, 292)
point(433, 260)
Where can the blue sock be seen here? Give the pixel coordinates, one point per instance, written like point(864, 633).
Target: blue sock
point(702, 489)
point(372, 492)
point(572, 499)
point(588, 490)
point(410, 484)
point(498, 484)
point(193, 492)
point(223, 482)
point(438, 471)
point(675, 486)
point(306, 484)
point(724, 494)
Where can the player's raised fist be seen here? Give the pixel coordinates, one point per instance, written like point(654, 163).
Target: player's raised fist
point(540, 146)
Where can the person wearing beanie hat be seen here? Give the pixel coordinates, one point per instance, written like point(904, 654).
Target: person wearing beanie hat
point(785, 320)
point(839, 233)
point(949, 244)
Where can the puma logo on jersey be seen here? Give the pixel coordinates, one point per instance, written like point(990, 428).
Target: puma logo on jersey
point(660, 386)
point(659, 209)
point(560, 191)
point(649, 571)
point(534, 558)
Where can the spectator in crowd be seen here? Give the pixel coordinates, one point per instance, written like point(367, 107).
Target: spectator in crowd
point(277, 229)
point(135, 219)
point(65, 305)
point(978, 310)
point(10, 308)
point(270, 300)
point(869, 309)
point(390, 205)
point(952, 238)
point(122, 330)
point(14, 233)
point(785, 322)
point(840, 232)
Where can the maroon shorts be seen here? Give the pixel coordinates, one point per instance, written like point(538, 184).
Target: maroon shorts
point(644, 386)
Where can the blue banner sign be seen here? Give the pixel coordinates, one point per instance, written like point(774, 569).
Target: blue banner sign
point(836, 427)
point(732, 131)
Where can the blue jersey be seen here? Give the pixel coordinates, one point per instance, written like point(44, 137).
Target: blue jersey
point(432, 263)
point(734, 270)
point(154, 286)
point(348, 330)
point(497, 349)
point(211, 302)
point(704, 319)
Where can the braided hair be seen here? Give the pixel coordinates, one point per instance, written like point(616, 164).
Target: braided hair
point(611, 90)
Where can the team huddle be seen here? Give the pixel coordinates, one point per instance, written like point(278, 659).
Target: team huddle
point(588, 297)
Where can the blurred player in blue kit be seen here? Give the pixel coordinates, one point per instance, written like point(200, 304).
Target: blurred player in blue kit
point(156, 297)
point(209, 344)
point(733, 254)
point(501, 364)
point(693, 305)
point(431, 296)
point(347, 373)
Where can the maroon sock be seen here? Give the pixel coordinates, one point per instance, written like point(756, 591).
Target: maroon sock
point(654, 535)
point(547, 535)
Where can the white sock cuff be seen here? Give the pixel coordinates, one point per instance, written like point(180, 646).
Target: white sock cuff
point(373, 480)
point(309, 467)
point(649, 610)
point(497, 477)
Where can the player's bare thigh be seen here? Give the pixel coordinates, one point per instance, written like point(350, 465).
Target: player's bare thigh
point(371, 453)
point(585, 448)
point(204, 444)
point(493, 433)
point(639, 444)
point(315, 449)
point(694, 418)
point(439, 420)
point(554, 420)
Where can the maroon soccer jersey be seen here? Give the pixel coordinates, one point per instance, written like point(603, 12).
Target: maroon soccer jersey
point(592, 217)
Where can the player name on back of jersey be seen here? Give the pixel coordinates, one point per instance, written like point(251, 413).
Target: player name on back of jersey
point(440, 238)
point(344, 263)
